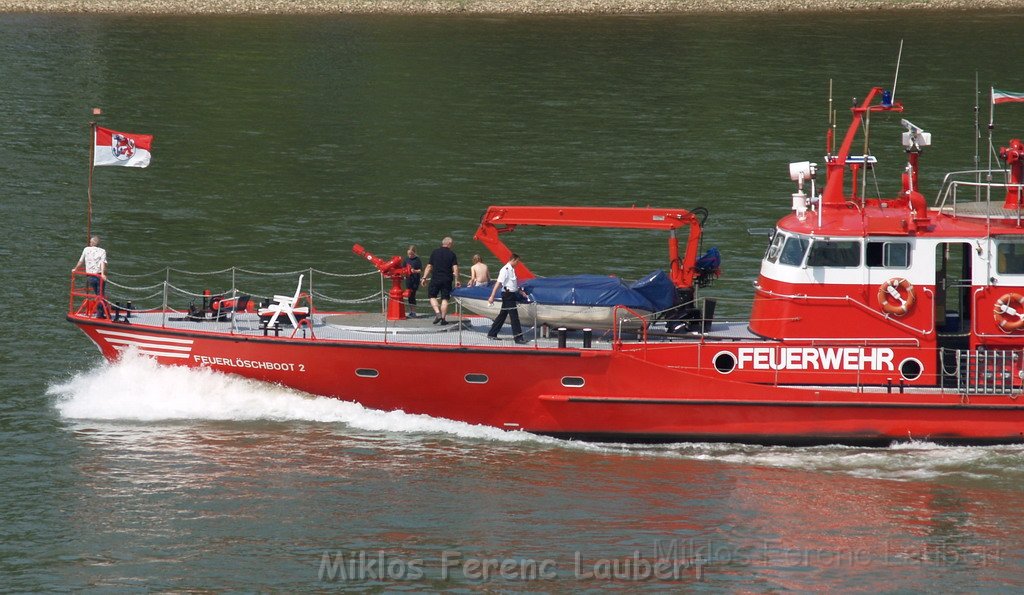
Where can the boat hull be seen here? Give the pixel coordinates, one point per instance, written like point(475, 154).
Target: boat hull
point(607, 395)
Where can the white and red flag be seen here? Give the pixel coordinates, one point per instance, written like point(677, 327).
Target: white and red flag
point(121, 148)
point(1006, 97)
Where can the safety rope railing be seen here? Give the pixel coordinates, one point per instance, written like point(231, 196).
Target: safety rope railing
point(182, 291)
point(363, 300)
point(185, 288)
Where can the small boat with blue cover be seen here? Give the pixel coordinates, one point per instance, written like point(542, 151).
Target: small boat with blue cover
point(581, 301)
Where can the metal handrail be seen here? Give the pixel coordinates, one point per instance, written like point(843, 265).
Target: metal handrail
point(855, 302)
point(950, 185)
point(987, 372)
point(617, 329)
point(86, 296)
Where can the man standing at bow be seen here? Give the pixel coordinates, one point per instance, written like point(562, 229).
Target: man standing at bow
point(509, 291)
point(95, 259)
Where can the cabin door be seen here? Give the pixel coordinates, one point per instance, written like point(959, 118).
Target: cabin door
point(953, 291)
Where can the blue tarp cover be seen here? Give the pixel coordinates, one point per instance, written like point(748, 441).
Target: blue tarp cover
point(652, 293)
point(658, 289)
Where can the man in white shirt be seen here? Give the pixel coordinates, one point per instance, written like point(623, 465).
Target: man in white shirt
point(95, 259)
point(509, 290)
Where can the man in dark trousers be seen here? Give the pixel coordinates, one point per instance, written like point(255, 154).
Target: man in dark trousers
point(509, 291)
point(445, 268)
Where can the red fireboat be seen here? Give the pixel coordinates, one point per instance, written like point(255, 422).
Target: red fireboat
point(875, 319)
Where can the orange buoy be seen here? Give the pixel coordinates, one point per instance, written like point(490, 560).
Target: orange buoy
point(891, 296)
point(1009, 312)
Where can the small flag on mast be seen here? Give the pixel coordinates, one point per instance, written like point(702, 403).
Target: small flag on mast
point(121, 148)
point(1006, 97)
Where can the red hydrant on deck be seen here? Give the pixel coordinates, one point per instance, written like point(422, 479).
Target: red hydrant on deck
point(1014, 157)
point(393, 270)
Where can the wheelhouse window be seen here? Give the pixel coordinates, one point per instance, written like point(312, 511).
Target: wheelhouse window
point(774, 246)
point(793, 251)
point(1010, 258)
point(834, 253)
point(890, 255)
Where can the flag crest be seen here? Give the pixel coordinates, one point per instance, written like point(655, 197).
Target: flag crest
point(121, 148)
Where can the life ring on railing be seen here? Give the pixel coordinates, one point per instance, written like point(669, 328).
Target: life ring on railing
point(1009, 312)
point(890, 296)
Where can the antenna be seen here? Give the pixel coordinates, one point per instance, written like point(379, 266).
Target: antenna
point(897, 77)
point(977, 138)
point(830, 131)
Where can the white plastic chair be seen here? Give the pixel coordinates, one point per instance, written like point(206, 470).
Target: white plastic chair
point(285, 304)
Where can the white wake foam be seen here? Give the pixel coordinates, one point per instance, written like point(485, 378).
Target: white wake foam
point(136, 388)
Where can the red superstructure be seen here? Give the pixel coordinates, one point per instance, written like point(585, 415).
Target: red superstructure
point(874, 319)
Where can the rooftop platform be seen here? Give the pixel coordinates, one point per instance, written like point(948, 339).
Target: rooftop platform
point(982, 210)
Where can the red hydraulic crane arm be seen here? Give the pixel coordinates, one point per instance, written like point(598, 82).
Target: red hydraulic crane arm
point(498, 220)
point(834, 185)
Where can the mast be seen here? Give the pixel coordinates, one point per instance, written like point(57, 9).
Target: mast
point(896, 78)
point(830, 132)
point(833, 191)
point(92, 160)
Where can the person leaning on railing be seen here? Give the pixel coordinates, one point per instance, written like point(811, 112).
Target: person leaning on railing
point(95, 260)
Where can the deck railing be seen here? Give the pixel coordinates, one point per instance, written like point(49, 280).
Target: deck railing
point(623, 316)
point(170, 296)
point(956, 191)
point(164, 292)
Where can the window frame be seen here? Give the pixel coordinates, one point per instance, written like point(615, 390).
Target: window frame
point(822, 244)
point(886, 258)
point(1001, 258)
point(803, 254)
point(775, 242)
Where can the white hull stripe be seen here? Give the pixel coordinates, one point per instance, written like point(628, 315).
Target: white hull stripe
point(156, 353)
point(152, 345)
point(148, 344)
point(137, 336)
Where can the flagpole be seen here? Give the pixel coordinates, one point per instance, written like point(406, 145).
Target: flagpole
point(92, 158)
point(92, 165)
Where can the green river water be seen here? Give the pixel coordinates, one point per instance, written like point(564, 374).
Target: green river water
point(281, 141)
